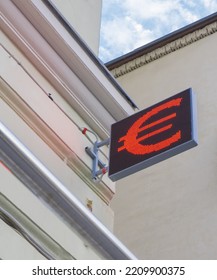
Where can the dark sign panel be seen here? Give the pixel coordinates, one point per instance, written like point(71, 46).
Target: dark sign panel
point(152, 135)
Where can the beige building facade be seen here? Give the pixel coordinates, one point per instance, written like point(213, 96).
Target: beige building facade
point(56, 100)
point(168, 211)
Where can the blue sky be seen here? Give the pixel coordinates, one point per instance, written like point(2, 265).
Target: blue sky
point(129, 24)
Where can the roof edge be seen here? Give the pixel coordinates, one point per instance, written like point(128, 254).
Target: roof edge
point(89, 52)
point(117, 62)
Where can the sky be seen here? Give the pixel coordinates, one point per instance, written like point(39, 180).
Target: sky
point(129, 24)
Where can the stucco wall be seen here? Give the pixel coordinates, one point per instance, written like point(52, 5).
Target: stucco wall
point(85, 18)
point(168, 211)
point(31, 116)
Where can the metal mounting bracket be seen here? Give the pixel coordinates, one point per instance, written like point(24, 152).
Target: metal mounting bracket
point(98, 167)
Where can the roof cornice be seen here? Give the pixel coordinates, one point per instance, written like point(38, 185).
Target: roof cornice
point(89, 52)
point(163, 46)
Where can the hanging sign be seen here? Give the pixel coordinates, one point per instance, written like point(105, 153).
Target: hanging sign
point(152, 135)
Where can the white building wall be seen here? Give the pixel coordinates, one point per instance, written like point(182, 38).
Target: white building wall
point(51, 87)
point(168, 211)
point(29, 113)
point(85, 17)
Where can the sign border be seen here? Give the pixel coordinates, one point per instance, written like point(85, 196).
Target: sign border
point(168, 153)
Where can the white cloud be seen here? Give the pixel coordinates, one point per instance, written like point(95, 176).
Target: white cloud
point(166, 12)
point(128, 24)
point(122, 35)
point(211, 5)
point(149, 9)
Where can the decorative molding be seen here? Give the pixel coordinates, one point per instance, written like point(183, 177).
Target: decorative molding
point(31, 232)
point(53, 141)
point(81, 94)
point(166, 49)
point(59, 57)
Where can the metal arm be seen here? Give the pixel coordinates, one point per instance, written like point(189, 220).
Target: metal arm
point(93, 153)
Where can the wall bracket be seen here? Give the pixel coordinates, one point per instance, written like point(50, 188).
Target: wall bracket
point(98, 167)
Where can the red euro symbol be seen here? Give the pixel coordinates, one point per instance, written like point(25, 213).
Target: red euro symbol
point(132, 141)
